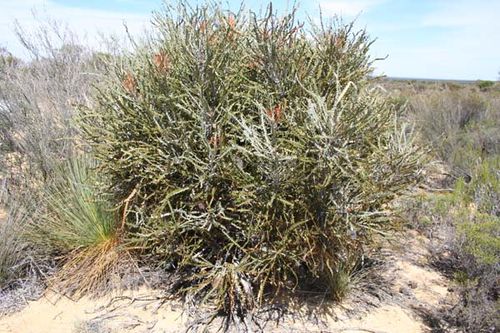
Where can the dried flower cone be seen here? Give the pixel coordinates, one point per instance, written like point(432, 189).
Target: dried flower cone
point(339, 41)
point(130, 84)
point(275, 113)
point(231, 22)
point(161, 62)
point(254, 65)
point(203, 27)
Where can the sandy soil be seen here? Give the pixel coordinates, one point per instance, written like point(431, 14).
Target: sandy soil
point(412, 284)
point(54, 314)
point(132, 311)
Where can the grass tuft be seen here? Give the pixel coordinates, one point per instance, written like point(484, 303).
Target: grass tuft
point(80, 226)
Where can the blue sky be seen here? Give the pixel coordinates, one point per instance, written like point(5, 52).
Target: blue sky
point(449, 39)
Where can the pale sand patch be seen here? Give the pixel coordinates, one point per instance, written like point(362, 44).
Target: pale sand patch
point(387, 319)
point(426, 284)
point(66, 316)
point(52, 313)
point(429, 286)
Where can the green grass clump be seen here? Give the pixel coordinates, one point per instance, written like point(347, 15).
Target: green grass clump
point(76, 215)
point(254, 153)
point(80, 226)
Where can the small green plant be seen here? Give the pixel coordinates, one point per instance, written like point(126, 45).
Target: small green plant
point(482, 238)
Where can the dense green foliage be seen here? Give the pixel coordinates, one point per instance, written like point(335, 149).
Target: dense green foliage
point(254, 154)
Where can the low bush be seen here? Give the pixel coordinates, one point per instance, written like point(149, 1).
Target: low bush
point(254, 155)
point(485, 84)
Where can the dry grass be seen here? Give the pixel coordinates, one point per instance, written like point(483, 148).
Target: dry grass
point(89, 271)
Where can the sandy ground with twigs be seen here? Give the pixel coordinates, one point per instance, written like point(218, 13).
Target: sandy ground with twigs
point(410, 290)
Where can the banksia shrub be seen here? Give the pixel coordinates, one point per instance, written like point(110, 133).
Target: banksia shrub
point(254, 155)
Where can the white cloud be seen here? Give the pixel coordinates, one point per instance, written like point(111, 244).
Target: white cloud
point(83, 21)
point(346, 7)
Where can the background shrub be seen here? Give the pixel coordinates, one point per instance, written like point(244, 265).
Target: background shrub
point(461, 127)
point(254, 154)
point(485, 84)
point(38, 99)
point(37, 136)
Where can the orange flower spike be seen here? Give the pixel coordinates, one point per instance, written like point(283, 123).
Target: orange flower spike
point(214, 141)
point(129, 84)
point(203, 27)
point(162, 62)
point(270, 113)
point(277, 112)
point(231, 22)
